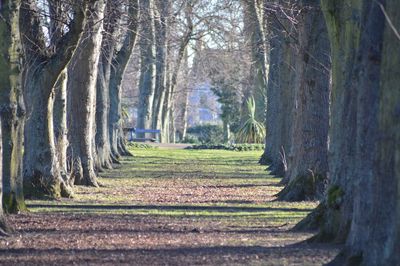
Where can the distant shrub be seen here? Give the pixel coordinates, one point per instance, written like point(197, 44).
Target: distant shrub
point(229, 147)
point(138, 145)
point(251, 131)
point(207, 134)
point(191, 139)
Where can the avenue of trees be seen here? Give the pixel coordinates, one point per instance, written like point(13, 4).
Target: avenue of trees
point(324, 76)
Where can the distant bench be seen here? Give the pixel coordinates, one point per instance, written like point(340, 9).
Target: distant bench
point(133, 132)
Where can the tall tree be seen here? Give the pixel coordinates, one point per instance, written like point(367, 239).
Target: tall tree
point(10, 89)
point(112, 23)
point(58, 11)
point(168, 132)
point(374, 231)
point(120, 63)
point(147, 81)
point(254, 26)
point(282, 43)
point(82, 74)
point(60, 123)
point(333, 216)
point(12, 109)
point(307, 161)
point(161, 33)
point(5, 229)
point(43, 66)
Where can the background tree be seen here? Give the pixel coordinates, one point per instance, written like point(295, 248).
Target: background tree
point(120, 64)
point(162, 27)
point(256, 32)
point(148, 74)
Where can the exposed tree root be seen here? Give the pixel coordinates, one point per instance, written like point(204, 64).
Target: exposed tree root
point(41, 186)
point(11, 204)
point(346, 258)
point(302, 188)
point(115, 158)
point(83, 175)
point(5, 229)
point(265, 160)
point(313, 220)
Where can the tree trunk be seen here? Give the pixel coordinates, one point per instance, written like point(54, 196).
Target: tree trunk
point(42, 174)
point(280, 94)
point(103, 146)
point(161, 29)
point(12, 111)
point(342, 20)
point(272, 145)
point(172, 132)
point(4, 227)
point(109, 42)
point(308, 156)
point(185, 113)
point(172, 78)
point(120, 62)
point(253, 18)
point(374, 236)
point(82, 73)
point(148, 68)
point(60, 126)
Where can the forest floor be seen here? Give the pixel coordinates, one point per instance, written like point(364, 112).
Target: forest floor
point(168, 207)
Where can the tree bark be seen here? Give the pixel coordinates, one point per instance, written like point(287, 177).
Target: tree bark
point(82, 72)
point(109, 42)
point(5, 229)
point(185, 115)
point(161, 30)
point(280, 93)
point(120, 63)
point(172, 78)
point(147, 81)
point(254, 24)
point(12, 109)
point(42, 175)
point(343, 22)
point(374, 236)
point(308, 157)
point(60, 125)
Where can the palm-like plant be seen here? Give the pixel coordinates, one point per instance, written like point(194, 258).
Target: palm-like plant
point(251, 131)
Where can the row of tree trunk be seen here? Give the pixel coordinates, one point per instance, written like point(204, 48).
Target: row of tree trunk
point(156, 81)
point(333, 121)
point(60, 94)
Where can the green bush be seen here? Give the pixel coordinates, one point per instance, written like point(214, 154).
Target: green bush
point(251, 131)
point(229, 147)
point(191, 139)
point(207, 134)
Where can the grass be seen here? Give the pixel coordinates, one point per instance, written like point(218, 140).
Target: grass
point(185, 183)
point(168, 207)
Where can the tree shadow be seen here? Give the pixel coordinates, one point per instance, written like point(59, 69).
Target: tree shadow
point(231, 209)
point(170, 256)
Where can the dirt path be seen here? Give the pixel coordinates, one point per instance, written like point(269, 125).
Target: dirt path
point(168, 207)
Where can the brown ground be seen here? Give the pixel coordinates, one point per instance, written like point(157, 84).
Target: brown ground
point(189, 217)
